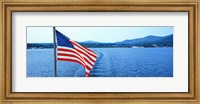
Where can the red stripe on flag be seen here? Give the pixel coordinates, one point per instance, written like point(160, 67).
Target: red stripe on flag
point(64, 59)
point(62, 54)
point(87, 74)
point(71, 60)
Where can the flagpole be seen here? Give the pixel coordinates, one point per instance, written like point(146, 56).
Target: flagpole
point(54, 46)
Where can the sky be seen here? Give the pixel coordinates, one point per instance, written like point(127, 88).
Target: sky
point(98, 34)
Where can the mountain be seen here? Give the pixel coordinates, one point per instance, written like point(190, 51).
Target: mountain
point(165, 40)
point(89, 41)
point(148, 40)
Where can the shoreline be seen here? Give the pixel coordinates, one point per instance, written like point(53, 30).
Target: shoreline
point(109, 47)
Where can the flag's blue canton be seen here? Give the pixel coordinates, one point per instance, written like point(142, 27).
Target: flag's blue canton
point(63, 40)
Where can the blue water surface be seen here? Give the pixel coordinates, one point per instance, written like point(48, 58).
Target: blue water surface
point(111, 62)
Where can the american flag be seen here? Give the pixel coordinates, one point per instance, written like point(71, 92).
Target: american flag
point(69, 50)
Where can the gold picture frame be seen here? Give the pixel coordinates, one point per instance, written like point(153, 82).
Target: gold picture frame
point(9, 6)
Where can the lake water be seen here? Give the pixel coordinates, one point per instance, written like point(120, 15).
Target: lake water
point(111, 62)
